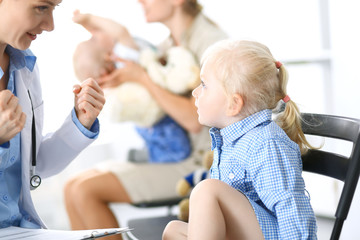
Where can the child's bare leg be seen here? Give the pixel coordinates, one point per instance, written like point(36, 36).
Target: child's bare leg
point(217, 211)
point(94, 24)
point(175, 230)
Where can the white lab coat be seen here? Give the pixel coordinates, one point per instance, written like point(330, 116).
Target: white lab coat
point(54, 151)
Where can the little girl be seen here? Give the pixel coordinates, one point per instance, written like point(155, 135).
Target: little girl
point(256, 190)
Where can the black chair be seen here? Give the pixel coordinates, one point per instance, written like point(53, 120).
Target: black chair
point(333, 165)
point(151, 228)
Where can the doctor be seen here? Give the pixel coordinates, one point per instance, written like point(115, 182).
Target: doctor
point(24, 152)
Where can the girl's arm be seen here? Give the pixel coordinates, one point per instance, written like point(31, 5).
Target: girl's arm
point(276, 174)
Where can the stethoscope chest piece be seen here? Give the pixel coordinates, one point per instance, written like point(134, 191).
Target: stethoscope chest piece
point(35, 181)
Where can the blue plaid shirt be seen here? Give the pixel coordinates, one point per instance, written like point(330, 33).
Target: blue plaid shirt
point(256, 157)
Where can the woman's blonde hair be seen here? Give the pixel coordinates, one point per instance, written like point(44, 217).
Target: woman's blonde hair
point(192, 7)
point(249, 69)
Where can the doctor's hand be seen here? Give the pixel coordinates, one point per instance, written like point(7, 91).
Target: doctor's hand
point(89, 100)
point(12, 118)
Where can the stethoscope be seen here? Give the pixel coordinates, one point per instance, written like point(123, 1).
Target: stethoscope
point(35, 180)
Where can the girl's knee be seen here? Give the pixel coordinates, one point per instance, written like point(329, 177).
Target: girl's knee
point(172, 230)
point(207, 187)
point(168, 230)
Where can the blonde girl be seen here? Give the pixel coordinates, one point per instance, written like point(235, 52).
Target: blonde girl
point(256, 190)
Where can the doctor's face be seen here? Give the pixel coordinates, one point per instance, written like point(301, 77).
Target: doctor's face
point(22, 20)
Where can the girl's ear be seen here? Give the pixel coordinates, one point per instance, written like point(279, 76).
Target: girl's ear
point(236, 103)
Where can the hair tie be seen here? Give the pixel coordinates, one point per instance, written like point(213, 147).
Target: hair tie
point(278, 64)
point(286, 99)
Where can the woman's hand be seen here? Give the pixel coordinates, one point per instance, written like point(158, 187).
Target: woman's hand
point(129, 72)
point(89, 101)
point(12, 118)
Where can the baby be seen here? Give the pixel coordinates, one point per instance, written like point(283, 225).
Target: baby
point(132, 102)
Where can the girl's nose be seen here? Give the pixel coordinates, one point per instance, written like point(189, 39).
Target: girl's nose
point(194, 92)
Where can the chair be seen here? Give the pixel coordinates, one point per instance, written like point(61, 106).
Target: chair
point(151, 228)
point(333, 165)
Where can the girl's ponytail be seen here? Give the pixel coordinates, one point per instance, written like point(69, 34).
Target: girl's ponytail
point(290, 119)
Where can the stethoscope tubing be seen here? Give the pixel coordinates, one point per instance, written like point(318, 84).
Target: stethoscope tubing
point(35, 180)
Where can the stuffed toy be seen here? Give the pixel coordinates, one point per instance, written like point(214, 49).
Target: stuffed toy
point(186, 184)
point(132, 102)
point(165, 139)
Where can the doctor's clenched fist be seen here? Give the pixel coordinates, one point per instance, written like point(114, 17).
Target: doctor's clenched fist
point(12, 118)
point(89, 101)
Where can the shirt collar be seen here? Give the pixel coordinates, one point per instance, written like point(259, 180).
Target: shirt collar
point(236, 130)
point(21, 58)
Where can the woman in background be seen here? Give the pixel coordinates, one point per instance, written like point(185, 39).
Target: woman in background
point(89, 194)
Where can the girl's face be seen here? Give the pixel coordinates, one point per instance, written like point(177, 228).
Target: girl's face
point(21, 21)
point(211, 99)
point(157, 10)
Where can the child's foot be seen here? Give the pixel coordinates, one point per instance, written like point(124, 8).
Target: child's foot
point(79, 17)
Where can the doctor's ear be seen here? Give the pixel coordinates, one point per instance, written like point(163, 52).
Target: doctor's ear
point(236, 103)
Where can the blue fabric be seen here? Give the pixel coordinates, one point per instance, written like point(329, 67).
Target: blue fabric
point(256, 157)
point(196, 176)
point(166, 141)
point(94, 130)
point(10, 155)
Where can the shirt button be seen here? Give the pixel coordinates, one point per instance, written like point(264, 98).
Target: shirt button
point(231, 176)
point(12, 159)
point(5, 197)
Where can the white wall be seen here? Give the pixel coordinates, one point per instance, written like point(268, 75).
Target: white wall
point(345, 37)
point(290, 28)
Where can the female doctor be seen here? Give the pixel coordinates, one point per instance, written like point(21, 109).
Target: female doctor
point(25, 155)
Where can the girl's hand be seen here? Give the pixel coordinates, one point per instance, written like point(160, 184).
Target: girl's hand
point(89, 101)
point(12, 118)
point(129, 72)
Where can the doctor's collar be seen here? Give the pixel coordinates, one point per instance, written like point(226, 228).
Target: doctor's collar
point(21, 58)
